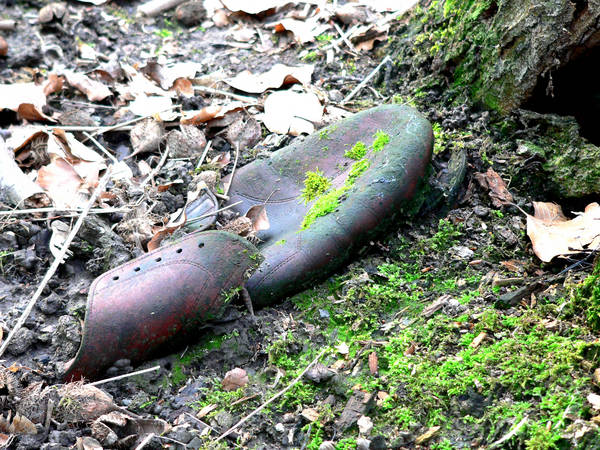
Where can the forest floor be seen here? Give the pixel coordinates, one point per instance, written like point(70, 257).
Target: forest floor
point(448, 332)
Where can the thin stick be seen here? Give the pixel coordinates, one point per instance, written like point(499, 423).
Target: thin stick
point(17, 212)
point(145, 441)
point(127, 375)
point(366, 80)
point(154, 171)
point(58, 260)
point(204, 153)
point(344, 37)
point(101, 147)
point(241, 98)
point(235, 162)
point(510, 434)
point(203, 216)
point(100, 130)
point(275, 397)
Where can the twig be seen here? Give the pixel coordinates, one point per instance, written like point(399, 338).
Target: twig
point(204, 153)
point(100, 130)
point(127, 375)
point(275, 397)
point(235, 162)
point(366, 80)
point(49, 410)
point(58, 260)
point(344, 37)
point(510, 434)
point(241, 98)
point(7, 25)
point(101, 147)
point(17, 212)
point(204, 216)
point(145, 441)
point(154, 171)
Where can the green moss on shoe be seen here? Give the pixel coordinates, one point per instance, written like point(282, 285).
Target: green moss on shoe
point(357, 152)
point(315, 184)
point(381, 140)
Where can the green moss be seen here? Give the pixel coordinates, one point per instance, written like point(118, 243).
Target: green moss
point(357, 152)
point(324, 205)
point(357, 169)
point(315, 184)
point(324, 134)
point(381, 140)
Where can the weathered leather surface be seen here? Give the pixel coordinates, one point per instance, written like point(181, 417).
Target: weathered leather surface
point(134, 309)
point(295, 258)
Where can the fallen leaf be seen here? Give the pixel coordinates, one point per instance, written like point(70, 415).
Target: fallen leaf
point(292, 112)
point(552, 234)
point(88, 443)
point(3, 47)
point(594, 400)
point(221, 160)
point(373, 363)
point(498, 191)
point(343, 349)
point(85, 402)
point(365, 425)
point(381, 397)
point(310, 414)
point(235, 379)
point(279, 75)
point(364, 37)
point(258, 215)
point(27, 99)
point(62, 183)
point(146, 136)
point(155, 104)
point(15, 186)
point(166, 76)
point(397, 6)
point(17, 425)
point(304, 31)
point(52, 11)
point(94, 90)
point(206, 410)
point(253, 7)
point(410, 350)
point(209, 112)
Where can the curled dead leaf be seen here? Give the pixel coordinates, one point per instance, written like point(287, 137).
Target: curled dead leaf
point(235, 379)
point(3, 47)
point(552, 234)
point(373, 363)
point(292, 112)
point(253, 7)
point(497, 187)
point(279, 75)
point(258, 215)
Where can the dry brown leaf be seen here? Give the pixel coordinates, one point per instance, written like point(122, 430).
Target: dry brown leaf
point(166, 76)
point(206, 410)
point(253, 7)
point(209, 112)
point(221, 18)
point(155, 104)
point(410, 350)
point(552, 234)
point(146, 136)
point(27, 99)
point(5, 439)
point(87, 443)
point(94, 90)
point(258, 215)
point(292, 112)
point(17, 425)
point(310, 414)
point(52, 11)
point(235, 379)
point(365, 37)
point(304, 31)
point(594, 400)
point(498, 191)
point(3, 47)
point(85, 403)
point(279, 75)
point(243, 134)
point(221, 160)
point(62, 183)
point(373, 363)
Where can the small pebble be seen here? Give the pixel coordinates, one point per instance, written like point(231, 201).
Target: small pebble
point(363, 444)
point(280, 428)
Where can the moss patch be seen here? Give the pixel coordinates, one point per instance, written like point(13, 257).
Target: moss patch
point(315, 184)
point(381, 140)
point(357, 152)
